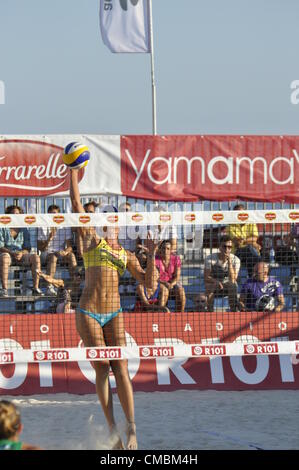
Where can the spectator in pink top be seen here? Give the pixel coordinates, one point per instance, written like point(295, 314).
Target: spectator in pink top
point(169, 266)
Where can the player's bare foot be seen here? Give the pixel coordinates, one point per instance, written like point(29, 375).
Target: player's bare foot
point(132, 438)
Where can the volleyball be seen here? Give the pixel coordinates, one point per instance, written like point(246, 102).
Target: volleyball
point(76, 155)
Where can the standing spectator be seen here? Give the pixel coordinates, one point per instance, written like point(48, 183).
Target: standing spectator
point(221, 273)
point(15, 247)
point(245, 237)
point(169, 266)
point(55, 245)
point(262, 292)
point(154, 299)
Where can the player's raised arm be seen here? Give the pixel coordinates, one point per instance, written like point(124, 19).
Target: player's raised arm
point(76, 155)
point(74, 192)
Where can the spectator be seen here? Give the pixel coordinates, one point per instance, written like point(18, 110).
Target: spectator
point(200, 303)
point(166, 232)
point(56, 245)
point(157, 233)
point(295, 237)
point(221, 273)
point(169, 266)
point(127, 235)
point(262, 292)
point(11, 427)
point(15, 247)
point(91, 206)
point(285, 253)
point(245, 237)
point(68, 291)
point(154, 299)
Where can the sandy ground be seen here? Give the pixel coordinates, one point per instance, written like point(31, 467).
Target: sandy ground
point(181, 420)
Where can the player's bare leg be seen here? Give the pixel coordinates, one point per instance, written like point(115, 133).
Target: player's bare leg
point(115, 335)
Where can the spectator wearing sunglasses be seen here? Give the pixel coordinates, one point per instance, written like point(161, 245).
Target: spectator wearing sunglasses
point(221, 273)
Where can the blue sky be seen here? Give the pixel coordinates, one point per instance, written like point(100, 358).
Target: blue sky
point(222, 67)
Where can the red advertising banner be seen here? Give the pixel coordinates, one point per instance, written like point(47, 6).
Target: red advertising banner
point(212, 167)
point(175, 168)
point(159, 370)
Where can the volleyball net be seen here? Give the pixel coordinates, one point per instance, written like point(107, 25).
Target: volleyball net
point(224, 283)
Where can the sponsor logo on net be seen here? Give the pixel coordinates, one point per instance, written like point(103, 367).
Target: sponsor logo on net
point(84, 219)
point(5, 220)
point(58, 219)
point(137, 218)
point(112, 219)
point(30, 219)
point(261, 348)
point(217, 217)
point(243, 216)
point(165, 217)
point(103, 353)
point(54, 355)
point(211, 350)
point(270, 216)
point(6, 357)
point(159, 351)
point(294, 215)
point(190, 217)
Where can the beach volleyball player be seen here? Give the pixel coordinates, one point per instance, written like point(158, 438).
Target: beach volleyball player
point(99, 318)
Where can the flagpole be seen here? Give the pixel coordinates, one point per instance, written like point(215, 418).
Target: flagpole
point(154, 107)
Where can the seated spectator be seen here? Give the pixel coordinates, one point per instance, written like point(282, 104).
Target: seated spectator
point(15, 247)
point(152, 300)
point(68, 291)
point(221, 273)
point(200, 303)
point(91, 206)
point(246, 247)
point(55, 245)
point(285, 253)
point(262, 292)
point(169, 266)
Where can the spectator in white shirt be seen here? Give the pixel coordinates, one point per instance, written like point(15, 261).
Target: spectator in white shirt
point(156, 232)
point(221, 273)
point(55, 245)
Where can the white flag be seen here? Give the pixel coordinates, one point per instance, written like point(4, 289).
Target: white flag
point(125, 25)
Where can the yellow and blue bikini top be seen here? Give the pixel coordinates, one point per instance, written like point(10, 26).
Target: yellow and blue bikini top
point(104, 255)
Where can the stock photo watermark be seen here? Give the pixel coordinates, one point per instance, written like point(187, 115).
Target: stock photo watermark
point(295, 93)
point(2, 92)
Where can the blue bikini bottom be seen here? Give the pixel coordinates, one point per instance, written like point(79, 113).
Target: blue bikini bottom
point(101, 318)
